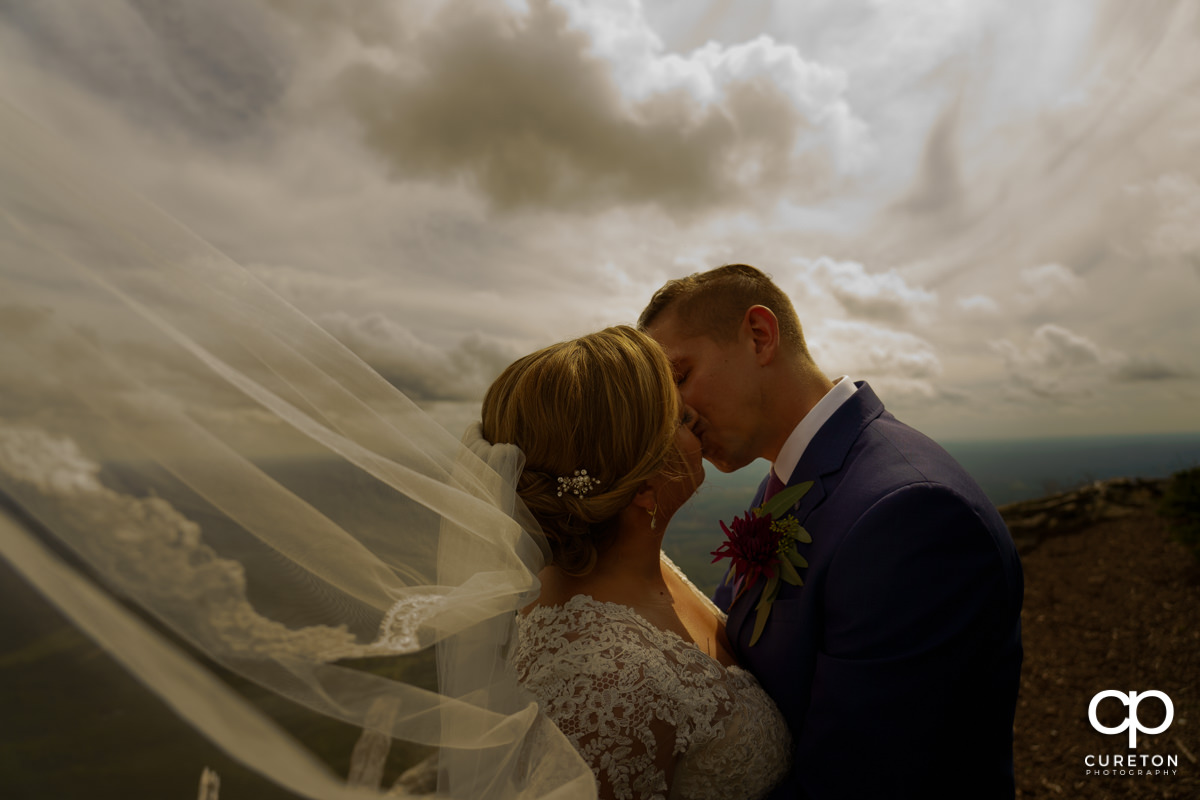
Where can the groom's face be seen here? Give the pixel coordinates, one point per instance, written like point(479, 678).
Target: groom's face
point(720, 381)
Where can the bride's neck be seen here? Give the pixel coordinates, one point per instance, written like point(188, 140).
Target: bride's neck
point(628, 571)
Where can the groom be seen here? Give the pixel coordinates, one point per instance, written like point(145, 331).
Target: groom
point(897, 662)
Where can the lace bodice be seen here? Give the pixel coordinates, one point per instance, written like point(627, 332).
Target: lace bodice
point(654, 716)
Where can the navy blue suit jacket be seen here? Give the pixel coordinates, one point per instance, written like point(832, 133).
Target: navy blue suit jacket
point(897, 663)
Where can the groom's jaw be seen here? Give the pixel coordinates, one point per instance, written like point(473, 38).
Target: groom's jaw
point(722, 466)
point(715, 456)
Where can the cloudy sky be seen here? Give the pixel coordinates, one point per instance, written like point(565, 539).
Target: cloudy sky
point(989, 210)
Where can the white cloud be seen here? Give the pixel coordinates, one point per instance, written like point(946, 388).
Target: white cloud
point(1048, 286)
point(978, 304)
point(862, 350)
point(882, 296)
point(1176, 231)
point(1056, 347)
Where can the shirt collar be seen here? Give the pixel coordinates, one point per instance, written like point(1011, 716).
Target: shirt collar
point(789, 455)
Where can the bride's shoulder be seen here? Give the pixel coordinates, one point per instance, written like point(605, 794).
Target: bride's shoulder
point(585, 635)
point(584, 625)
point(581, 614)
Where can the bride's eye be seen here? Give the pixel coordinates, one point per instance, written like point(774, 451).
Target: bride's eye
point(687, 418)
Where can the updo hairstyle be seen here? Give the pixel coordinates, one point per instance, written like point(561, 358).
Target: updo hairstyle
point(605, 402)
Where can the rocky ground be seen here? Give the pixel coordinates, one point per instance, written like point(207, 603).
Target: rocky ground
point(1111, 602)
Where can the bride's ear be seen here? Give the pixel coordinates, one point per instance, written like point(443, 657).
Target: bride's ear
point(646, 498)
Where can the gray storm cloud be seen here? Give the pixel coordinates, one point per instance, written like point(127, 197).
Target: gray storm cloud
point(523, 108)
point(1142, 368)
point(1058, 362)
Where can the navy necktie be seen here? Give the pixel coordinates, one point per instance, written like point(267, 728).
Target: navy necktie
point(773, 486)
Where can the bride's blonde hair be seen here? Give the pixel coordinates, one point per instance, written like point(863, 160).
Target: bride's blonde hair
point(605, 403)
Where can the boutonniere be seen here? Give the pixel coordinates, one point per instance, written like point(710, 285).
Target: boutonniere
point(763, 542)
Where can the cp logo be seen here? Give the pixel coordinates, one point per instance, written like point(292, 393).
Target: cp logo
point(1131, 722)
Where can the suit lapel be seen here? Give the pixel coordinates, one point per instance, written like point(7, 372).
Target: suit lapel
point(823, 457)
point(827, 451)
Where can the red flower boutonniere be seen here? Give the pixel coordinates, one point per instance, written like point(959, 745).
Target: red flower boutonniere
point(764, 543)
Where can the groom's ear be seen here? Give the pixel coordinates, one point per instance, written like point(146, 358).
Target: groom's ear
point(762, 328)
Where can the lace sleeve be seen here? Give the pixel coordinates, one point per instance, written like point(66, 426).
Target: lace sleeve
point(617, 698)
point(626, 732)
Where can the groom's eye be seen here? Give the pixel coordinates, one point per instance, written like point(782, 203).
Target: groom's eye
point(680, 377)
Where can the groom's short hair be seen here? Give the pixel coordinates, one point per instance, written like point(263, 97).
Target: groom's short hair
point(713, 304)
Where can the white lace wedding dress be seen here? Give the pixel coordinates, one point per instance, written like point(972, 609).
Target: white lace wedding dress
point(635, 699)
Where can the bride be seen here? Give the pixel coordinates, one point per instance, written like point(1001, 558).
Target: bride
point(624, 654)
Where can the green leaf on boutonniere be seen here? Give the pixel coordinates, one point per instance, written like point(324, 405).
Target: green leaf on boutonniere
point(803, 536)
point(784, 499)
point(797, 560)
point(764, 607)
point(788, 572)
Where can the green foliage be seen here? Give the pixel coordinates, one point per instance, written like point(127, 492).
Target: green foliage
point(1181, 506)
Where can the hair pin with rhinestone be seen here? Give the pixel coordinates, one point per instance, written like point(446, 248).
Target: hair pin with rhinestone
point(578, 484)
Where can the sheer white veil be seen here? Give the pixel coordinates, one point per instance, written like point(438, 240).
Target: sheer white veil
point(193, 470)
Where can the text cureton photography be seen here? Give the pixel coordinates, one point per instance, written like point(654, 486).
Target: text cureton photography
point(1132, 763)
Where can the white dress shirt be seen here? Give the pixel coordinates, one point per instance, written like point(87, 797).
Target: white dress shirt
point(789, 455)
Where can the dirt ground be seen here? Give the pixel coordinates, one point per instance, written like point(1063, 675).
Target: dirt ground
point(1113, 605)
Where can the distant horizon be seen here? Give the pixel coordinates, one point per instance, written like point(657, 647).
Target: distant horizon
point(456, 415)
point(1064, 437)
point(1011, 470)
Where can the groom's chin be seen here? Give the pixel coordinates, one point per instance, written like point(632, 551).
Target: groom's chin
point(720, 465)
